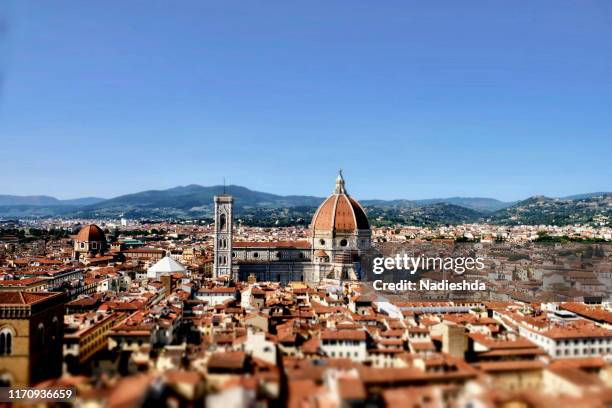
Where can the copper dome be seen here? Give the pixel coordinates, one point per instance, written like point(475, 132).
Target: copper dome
point(91, 233)
point(340, 212)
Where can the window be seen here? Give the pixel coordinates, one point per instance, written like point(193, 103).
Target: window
point(222, 222)
point(322, 241)
point(6, 380)
point(343, 242)
point(6, 342)
point(41, 334)
point(255, 255)
point(54, 329)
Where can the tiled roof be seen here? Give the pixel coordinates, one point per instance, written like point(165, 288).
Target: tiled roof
point(91, 233)
point(25, 298)
point(340, 213)
point(343, 335)
point(230, 360)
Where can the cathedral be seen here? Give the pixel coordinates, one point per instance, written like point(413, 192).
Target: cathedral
point(339, 243)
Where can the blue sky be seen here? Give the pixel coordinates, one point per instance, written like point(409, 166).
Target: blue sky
point(412, 99)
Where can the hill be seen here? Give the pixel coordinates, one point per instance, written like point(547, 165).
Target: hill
point(37, 200)
point(594, 209)
point(259, 208)
point(422, 215)
point(189, 201)
point(480, 204)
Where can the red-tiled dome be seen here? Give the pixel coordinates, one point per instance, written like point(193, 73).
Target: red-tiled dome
point(91, 233)
point(340, 212)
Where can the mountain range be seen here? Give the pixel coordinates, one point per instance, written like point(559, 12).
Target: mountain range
point(42, 200)
point(195, 201)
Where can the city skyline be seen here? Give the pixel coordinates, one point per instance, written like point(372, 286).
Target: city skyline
point(412, 100)
point(320, 204)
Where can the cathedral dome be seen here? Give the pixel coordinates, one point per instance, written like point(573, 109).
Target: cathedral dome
point(340, 212)
point(91, 233)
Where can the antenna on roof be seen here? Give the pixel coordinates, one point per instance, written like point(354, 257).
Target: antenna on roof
point(223, 185)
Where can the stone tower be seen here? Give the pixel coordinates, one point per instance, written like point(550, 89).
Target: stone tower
point(223, 234)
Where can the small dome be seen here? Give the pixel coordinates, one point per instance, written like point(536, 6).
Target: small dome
point(91, 233)
point(340, 212)
point(165, 266)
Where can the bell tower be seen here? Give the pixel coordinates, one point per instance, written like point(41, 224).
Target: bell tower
point(223, 234)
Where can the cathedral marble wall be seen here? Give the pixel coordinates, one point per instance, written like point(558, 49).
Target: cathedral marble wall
point(270, 254)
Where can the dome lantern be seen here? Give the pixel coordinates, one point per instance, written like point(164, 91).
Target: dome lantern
point(340, 189)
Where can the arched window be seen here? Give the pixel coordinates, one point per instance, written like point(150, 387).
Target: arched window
point(54, 329)
point(41, 334)
point(6, 342)
point(222, 222)
point(6, 380)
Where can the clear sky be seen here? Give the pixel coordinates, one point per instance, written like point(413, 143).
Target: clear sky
point(412, 99)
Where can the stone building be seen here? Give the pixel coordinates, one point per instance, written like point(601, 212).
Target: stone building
point(165, 266)
point(31, 332)
point(89, 242)
point(223, 234)
point(340, 238)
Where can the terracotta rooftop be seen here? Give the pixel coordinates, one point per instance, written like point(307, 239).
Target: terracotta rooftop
point(343, 335)
point(521, 365)
point(144, 250)
point(340, 213)
point(576, 330)
point(597, 314)
point(229, 360)
point(91, 233)
point(21, 282)
point(25, 298)
point(351, 389)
